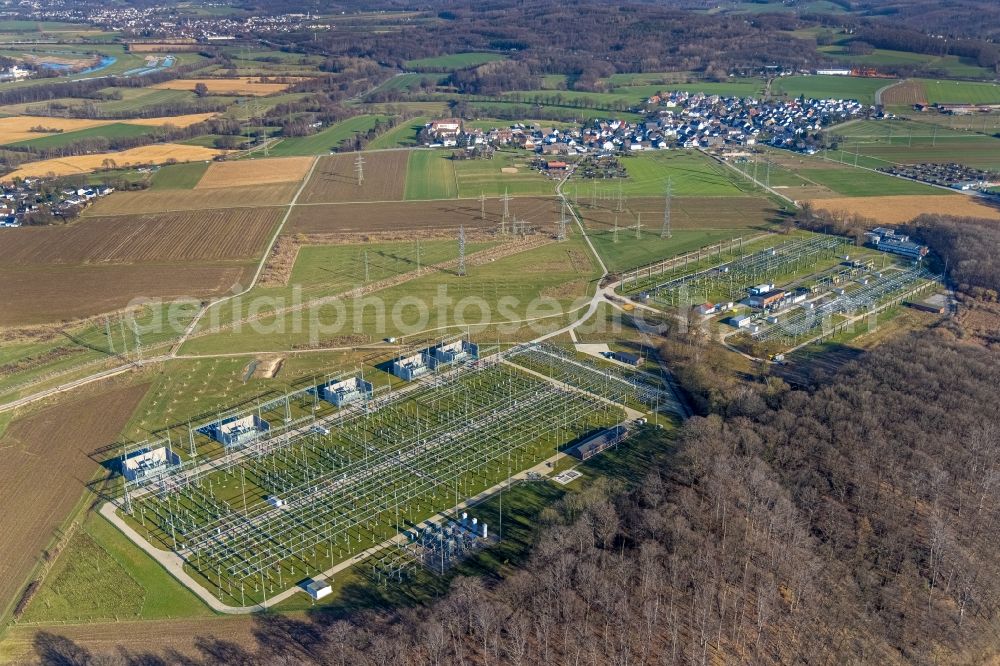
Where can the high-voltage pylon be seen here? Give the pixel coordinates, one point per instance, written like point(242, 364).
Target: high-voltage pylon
point(668, 199)
point(461, 250)
point(482, 206)
point(614, 236)
point(561, 233)
point(505, 220)
point(359, 168)
point(638, 226)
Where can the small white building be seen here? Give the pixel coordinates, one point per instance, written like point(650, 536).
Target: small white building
point(317, 588)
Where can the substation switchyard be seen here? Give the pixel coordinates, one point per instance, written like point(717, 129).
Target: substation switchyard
point(263, 499)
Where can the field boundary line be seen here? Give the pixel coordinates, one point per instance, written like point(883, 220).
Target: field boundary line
point(260, 265)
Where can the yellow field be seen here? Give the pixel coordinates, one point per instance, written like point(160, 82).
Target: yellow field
point(240, 86)
point(17, 128)
point(176, 121)
point(254, 172)
point(899, 209)
point(155, 154)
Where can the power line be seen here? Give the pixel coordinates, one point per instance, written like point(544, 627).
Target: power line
point(665, 232)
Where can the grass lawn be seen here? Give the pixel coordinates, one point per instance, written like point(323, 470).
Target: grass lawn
point(562, 271)
point(113, 131)
point(101, 575)
point(823, 87)
point(402, 136)
point(454, 61)
point(630, 251)
point(852, 182)
point(325, 141)
point(961, 92)
point(691, 174)
point(179, 176)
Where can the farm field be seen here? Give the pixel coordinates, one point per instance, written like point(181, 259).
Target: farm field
point(915, 143)
point(334, 179)
point(900, 209)
point(247, 173)
point(402, 136)
point(953, 65)
point(453, 61)
point(50, 294)
point(178, 176)
point(111, 131)
point(234, 86)
point(410, 81)
point(823, 87)
point(163, 199)
point(705, 213)
point(430, 174)
point(691, 174)
point(434, 175)
point(732, 88)
point(152, 154)
point(325, 141)
point(563, 272)
point(53, 445)
point(961, 92)
point(631, 251)
point(803, 177)
point(905, 93)
point(362, 218)
point(210, 235)
point(16, 130)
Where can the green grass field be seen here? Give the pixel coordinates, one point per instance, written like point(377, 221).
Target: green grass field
point(961, 92)
point(432, 174)
point(454, 61)
point(952, 65)
point(325, 141)
point(822, 87)
point(113, 131)
point(733, 88)
point(403, 135)
point(691, 174)
point(631, 251)
point(410, 81)
point(563, 271)
point(179, 176)
point(851, 182)
point(881, 143)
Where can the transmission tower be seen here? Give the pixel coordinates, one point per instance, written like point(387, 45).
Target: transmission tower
point(621, 198)
point(561, 234)
point(638, 226)
point(665, 231)
point(138, 342)
point(614, 236)
point(482, 206)
point(506, 213)
point(461, 250)
point(107, 334)
point(359, 168)
point(366, 266)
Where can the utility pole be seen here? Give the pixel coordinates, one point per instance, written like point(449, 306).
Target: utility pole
point(665, 232)
point(561, 234)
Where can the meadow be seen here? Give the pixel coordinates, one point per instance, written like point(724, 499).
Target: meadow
point(823, 87)
point(690, 173)
point(453, 61)
point(326, 140)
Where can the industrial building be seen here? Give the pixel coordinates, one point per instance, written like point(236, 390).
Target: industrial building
point(594, 444)
point(235, 430)
point(628, 359)
point(767, 300)
point(145, 463)
point(346, 391)
point(888, 240)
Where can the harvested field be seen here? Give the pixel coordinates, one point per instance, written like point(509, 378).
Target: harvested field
point(156, 201)
point(245, 173)
point(894, 210)
point(685, 213)
point(335, 180)
point(47, 465)
point(153, 154)
point(905, 93)
point(239, 86)
point(360, 218)
point(181, 236)
point(52, 294)
point(18, 128)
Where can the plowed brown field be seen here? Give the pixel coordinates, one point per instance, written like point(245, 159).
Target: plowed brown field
point(45, 471)
point(52, 294)
point(162, 201)
point(905, 94)
point(183, 236)
point(335, 179)
point(359, 218)
point(895, 210)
